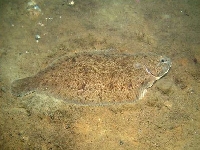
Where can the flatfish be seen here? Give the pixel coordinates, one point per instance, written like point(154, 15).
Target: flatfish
point(96, 78)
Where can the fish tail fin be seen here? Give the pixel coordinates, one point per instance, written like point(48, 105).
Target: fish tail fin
point(23, 86)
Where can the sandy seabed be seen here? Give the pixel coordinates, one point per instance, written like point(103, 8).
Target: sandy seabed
point(166, 118)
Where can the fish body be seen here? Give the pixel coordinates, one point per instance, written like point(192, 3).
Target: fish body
point(97, 78)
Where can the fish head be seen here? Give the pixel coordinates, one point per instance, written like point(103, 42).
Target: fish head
point(158, 66)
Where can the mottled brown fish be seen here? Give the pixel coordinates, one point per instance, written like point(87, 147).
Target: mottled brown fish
point(96, 78)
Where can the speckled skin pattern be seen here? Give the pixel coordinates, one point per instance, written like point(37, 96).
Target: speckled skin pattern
point(96, 78)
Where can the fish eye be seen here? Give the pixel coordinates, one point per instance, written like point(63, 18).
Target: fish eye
point(163, 60)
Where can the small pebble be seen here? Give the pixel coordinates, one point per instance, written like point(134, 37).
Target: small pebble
point(37, 38)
